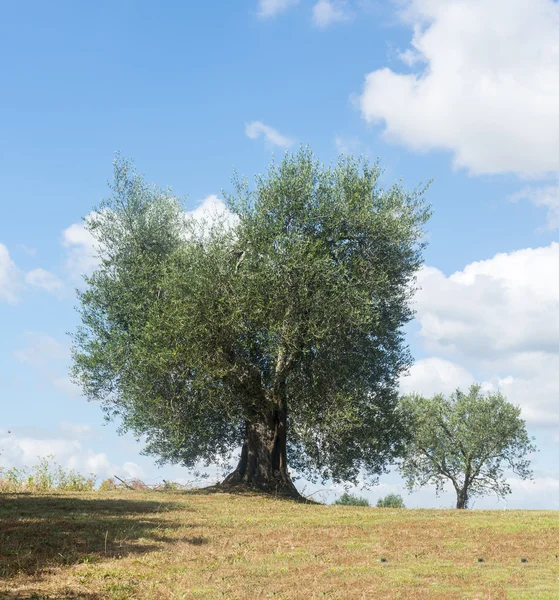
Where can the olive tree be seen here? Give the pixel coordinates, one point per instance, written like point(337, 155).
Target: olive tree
point(276, 330)
point(469, 440)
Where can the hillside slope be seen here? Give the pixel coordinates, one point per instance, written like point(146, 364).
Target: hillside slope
point(155, 545)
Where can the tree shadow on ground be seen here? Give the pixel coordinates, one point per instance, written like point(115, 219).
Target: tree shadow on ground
point(245, 490)
point(38, 532)
point(42, 596)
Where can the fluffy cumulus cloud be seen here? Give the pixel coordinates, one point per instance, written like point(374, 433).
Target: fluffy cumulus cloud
point(431, 376)
point(19, 450)
point(13, 281)
point(495, 319)
point(484, 84)
point(81, 250)
point(211, 210)
point(10, 277)
point(327, 12)
point(271, 136)
point(500, 306)
point(271, 8)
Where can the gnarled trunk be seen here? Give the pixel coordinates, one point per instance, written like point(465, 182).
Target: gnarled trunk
point(462, 498)
point(263, 462)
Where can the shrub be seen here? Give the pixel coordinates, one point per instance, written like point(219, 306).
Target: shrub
point(391, 501)
point(11, 479)
point(108, 485)
point(351, 500)
point(46, 476)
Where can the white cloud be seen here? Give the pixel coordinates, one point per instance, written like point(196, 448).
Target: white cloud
point(496, 319)
point(272, 137)
point(10, 277)
point(327, 12)
point(24, 451)
point(81, 247)
point(212, 210)
point(13, 281)
point(129, 470)
point(432, 376)
point(44, 280)
point(547, 197)
point(536, 391)
point(40, 349)
point(487, 86)
point(503, 305)
point(271, 8)
point(20, 451)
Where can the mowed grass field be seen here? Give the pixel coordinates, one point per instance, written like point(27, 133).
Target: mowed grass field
point(158, 545)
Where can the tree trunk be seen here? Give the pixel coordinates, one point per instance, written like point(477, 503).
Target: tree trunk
point(263, 462)
point(462, 498)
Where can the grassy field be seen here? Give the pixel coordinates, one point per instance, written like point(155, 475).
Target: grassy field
point(157, 545)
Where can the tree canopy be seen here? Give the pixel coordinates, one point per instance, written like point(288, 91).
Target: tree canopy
point(277, 330)
point(468, 440)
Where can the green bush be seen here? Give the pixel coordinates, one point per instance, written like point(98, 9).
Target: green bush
point(391, 501)
point(351, 500)
point(49, 476)
point(46, 476)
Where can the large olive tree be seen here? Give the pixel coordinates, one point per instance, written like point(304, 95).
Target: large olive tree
point(277, 330)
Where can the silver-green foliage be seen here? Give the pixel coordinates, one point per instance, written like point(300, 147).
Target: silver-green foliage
point(391, 501)
point(469, 440)
point(347, 499)
point(188, 332)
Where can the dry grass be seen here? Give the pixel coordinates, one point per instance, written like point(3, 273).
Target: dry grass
point(154, 545)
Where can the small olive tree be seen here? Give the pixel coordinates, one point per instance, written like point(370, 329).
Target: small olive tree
point(467, 439)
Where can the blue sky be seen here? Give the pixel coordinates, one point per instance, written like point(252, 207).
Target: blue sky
point(191, 91)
